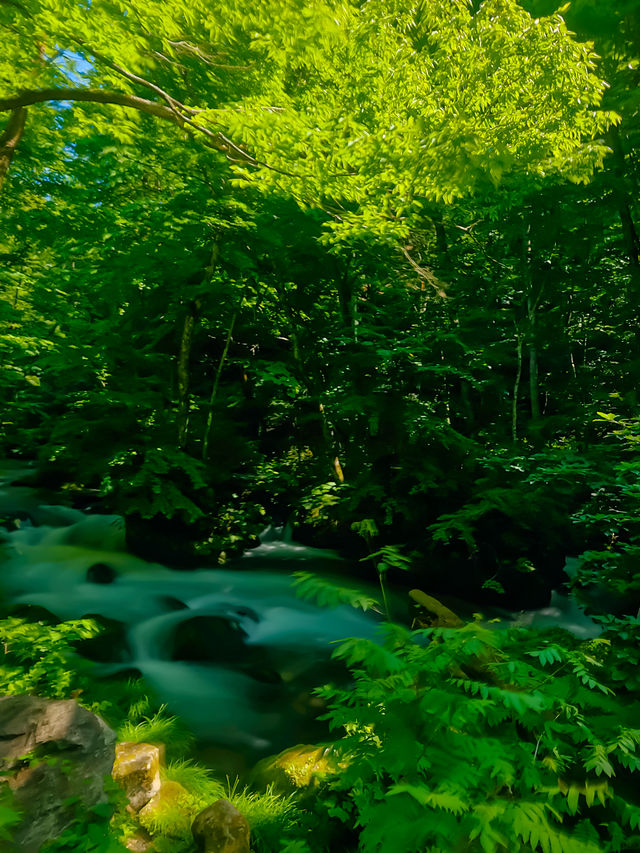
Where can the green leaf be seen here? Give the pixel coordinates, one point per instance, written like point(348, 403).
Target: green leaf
point(437, 799)
point(327, 594)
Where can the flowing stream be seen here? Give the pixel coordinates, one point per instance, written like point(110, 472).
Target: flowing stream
point(232, 651)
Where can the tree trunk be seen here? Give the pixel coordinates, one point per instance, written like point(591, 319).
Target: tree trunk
point(516, 391)
point(632, 242)
point(328, 436)
point(533, 299)
point(348, 299)
point(533, 381)
point(184, 356)
point(216, 382)
point(10, 139)
point(312, 383)
point(629, 231)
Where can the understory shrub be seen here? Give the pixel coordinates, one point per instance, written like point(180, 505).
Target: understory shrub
point(40, 658)
point(480, 739)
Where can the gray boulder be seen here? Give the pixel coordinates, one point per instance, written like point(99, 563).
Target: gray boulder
point(51, 751)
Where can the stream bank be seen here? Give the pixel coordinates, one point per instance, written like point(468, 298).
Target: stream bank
point(232, 651)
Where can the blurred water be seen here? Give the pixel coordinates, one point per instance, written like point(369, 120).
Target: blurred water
point(233, 651)
point(250, 647)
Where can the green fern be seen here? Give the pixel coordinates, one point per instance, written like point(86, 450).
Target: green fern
point(328, 594)
point(480, 740)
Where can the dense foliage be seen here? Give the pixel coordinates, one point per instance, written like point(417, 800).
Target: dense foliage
point(315, 297)
point(372, 268)
point(509, 738)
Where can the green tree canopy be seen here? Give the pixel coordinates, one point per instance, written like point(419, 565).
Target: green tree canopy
point(367, 110)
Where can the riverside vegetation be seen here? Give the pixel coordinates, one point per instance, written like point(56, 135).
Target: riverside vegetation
point(372, 268)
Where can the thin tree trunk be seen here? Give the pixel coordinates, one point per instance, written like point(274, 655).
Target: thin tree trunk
point(533, 382)
point(348, 299)
point(533, 300)
point(447, 391)
point(516, 390)
point(10, 139)
point(466, 409)
point(631, 240)
point(327, 433)
point(313, 387)
point(629, 230)
point(216, 382)
point(442, 246)
point(184, 356)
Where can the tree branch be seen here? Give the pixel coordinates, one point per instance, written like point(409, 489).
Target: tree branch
point(216, 139)
point(426, 274)
point(98, 96)
point(172, 102)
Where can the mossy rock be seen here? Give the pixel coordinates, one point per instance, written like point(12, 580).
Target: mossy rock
point(137, 770)
point(433, 613)
point(170, 794)
point(298, 768)
point(168, 813)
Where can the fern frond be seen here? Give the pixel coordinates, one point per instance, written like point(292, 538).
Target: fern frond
point(309, 587)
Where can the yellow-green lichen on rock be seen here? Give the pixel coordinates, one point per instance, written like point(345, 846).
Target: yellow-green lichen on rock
point(137, 770)
point(169, 812)
point(296, 768)
point(433, 613)
point(221, 828)
point(171, 794)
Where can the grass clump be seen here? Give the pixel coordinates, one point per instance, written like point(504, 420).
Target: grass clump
point(271, 816)
point(197, 780)
point(158, 728)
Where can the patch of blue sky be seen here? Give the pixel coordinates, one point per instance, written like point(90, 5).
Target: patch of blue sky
point(77, 71)
point(75, 67)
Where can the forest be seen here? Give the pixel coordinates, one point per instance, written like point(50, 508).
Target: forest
point(320, 426)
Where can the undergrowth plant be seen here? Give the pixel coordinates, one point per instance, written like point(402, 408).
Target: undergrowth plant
point(40, 658)
point(271, 816)
point(476, 739)
point(607, 572)
point(159, 727)
point(623, 660)
point(91, 830)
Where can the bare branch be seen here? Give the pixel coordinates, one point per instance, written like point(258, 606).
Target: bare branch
point(468, 230)
point(426, 274)
point(172, 102)
point(186, 47)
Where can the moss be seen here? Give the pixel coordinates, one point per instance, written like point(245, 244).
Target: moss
point(302, 766)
